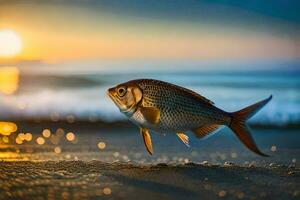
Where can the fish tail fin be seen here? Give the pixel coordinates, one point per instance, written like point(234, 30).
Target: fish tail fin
point(239, 127)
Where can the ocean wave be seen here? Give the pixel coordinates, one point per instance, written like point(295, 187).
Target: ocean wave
point(83, 96)
point(92, 104)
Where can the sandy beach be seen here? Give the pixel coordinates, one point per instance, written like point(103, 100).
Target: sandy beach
point(120, 168)
point(99, 180)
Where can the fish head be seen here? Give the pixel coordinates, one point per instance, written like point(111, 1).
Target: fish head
point(126, 96)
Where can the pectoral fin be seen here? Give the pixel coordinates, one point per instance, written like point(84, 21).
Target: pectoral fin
point(147, 140)
point(184, 138)
point(151, 114)
point(205, 130)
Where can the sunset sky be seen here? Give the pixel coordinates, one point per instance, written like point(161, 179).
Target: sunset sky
point(140, 29)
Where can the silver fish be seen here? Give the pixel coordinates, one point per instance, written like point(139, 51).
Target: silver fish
point(165, 107)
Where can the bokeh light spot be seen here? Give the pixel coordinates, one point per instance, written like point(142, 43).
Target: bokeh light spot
point(7, 128)
point(40, 141)
point(60, 132)
point(101, 145)
point(5, 139)
point(107, 191)
point(57, 150)
point(19, 141)
point(222, 193)
point(273, 148)
point(70, 119)
point(46, 133)
point(70, 136)
point(21, 136)
point(28, 137)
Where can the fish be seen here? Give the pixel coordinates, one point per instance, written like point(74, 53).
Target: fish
point(162, 107)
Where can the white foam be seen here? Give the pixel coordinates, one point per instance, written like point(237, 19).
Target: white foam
point(87, 103)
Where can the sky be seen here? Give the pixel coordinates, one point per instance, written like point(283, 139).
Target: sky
point(143, 29)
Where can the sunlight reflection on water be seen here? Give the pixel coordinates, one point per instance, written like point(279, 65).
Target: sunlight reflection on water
point(9, 80)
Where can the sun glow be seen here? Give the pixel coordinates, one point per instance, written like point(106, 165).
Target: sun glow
point(10, 43)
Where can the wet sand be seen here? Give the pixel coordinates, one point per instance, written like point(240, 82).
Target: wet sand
point(99, 180)
point(215, 168)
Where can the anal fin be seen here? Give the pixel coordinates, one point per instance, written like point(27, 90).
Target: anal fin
point(147, 140)
point(205, 130)
point(184, 138)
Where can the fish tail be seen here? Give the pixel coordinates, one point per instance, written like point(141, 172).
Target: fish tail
point(239, 127)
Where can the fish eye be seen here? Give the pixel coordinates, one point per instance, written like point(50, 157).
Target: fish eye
point(122, 91)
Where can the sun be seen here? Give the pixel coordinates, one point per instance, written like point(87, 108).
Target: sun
point(10, 43)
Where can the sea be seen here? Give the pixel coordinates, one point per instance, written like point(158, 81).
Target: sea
point(78, 89)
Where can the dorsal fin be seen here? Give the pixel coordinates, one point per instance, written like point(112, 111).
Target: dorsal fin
point(195, 94)
point(205, 130)
point(202, 98)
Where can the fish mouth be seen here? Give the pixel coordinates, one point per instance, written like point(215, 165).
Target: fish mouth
point(110, 92)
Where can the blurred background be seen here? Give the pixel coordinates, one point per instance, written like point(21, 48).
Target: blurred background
point(57, 59)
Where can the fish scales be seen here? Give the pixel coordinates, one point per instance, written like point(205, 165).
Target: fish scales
point(179, 109)
point(164, 107)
